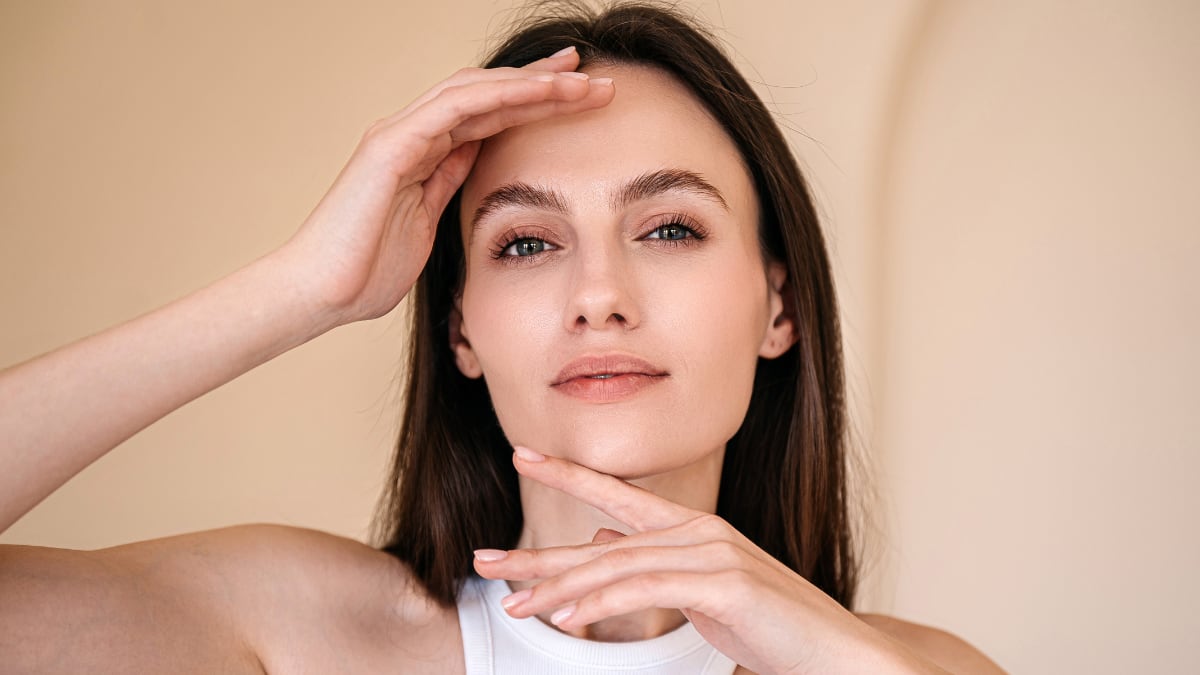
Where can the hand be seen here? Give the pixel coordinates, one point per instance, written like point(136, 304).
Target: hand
point(364, 245)
point(750, 606)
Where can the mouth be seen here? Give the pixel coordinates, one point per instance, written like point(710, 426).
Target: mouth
point(606, 367)
point(607, 379)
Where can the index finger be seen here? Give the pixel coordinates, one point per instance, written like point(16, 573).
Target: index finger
point(561, 61)
point(640, 509)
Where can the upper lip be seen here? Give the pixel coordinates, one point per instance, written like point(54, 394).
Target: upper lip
point(606, 364)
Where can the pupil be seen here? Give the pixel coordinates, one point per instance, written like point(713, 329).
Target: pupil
point(529, 247)
point(672, 232)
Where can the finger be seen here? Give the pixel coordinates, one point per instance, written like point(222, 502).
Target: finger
point(564, 59)
point(455, 105)
point(488, 124)
point(470, 75)
point(704, 592)
point(543, 563)
point(627, 503)
point(620, 564)
point(483, 126)
point(447, 177)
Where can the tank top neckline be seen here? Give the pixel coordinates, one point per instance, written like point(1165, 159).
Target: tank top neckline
point(536, 637)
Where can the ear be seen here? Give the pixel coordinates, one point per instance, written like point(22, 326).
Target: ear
point(781, 324)
point(464, 354)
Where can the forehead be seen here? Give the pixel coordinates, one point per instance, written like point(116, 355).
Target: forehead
point(653, 123)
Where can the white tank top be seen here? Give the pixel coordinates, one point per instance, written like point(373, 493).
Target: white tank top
point(494, 643)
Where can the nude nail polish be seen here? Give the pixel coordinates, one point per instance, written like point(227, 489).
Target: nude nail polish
point(562, 615)
point(490, 554)
point(516, 598)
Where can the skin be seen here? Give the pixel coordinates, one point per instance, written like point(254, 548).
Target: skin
point(258, 598)
point(608, 282)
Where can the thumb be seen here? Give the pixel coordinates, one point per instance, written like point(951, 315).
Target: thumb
point(448, 176)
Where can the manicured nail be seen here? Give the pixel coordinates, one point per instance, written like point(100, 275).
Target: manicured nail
point(490, 554)
point(563, 52)
point(562, 615)
point(529, 455)
point(575, 74)
point(516, 598)
point(602, 81)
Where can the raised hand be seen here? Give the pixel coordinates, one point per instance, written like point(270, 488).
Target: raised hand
point(355, 257)
point(747, 604)
point(366, 242)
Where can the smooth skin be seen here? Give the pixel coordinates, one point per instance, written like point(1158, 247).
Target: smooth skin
point(749, 605)
point(276, 599)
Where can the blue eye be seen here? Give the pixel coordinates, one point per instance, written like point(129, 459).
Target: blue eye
point(526, 246)
point(671, 232)
point(676, 230)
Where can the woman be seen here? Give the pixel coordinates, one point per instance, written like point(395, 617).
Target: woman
point(626, 269)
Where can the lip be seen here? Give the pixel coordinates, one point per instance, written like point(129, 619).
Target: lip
point(624, 375)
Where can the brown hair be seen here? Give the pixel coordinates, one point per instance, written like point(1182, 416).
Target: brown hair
point(453, 487)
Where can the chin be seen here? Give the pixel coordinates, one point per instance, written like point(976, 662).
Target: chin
point(627, 453)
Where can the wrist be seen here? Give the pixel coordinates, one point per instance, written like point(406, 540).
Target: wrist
point(296, 289)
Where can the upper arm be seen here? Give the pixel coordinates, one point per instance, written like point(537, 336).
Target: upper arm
point(158, 606)
point(942, 648)
point(246, 599)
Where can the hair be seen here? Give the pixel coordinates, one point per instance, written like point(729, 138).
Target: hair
point(453, 488)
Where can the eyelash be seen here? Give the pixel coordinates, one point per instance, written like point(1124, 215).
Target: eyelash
point(694, 233)
point(695, 229)
point(511, 237)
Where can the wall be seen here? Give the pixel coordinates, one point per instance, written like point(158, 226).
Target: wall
point(1007, 193)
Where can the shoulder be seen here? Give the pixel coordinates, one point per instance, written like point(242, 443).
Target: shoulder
point(303, 564)
point(346, 607)
point(934, 644)
point(306, 599)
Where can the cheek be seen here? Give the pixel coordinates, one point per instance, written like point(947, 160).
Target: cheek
point(507, 327)
point(719, 312)
point(723, 325)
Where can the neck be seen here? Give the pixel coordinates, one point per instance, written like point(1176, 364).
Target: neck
point(553, 518)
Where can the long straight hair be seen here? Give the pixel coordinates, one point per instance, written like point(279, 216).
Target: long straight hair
point(453, 487)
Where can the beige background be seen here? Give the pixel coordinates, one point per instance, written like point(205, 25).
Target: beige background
point(1010, 193)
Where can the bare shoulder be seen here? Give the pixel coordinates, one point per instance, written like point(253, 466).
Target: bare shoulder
point(245, 599)
point(947, 650)
point(315, 602)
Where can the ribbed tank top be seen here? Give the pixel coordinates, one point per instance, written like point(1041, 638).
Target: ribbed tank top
point(494, 643)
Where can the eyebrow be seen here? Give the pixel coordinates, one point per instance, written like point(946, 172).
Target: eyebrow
point(645, 186)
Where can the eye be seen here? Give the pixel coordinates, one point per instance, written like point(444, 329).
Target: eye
point(526, 246)
point(672, 232)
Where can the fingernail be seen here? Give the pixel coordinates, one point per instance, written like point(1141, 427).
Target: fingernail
point(562, 615)
point(603, 81)
point(516, 598)
point(575, 74)
point(529, 455)
point(563, 52)
point(490, 554)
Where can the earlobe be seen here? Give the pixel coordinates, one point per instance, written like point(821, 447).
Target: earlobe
point(464, 354)
point(780, 332)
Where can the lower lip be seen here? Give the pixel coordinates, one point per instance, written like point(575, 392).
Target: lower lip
point(609, 389)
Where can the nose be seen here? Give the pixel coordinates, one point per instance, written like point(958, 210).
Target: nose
point(602, 294)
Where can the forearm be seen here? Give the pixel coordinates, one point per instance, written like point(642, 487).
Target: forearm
point(355, 257)
point(62, 411)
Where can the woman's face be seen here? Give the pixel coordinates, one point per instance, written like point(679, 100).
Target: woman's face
point(615, 298)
